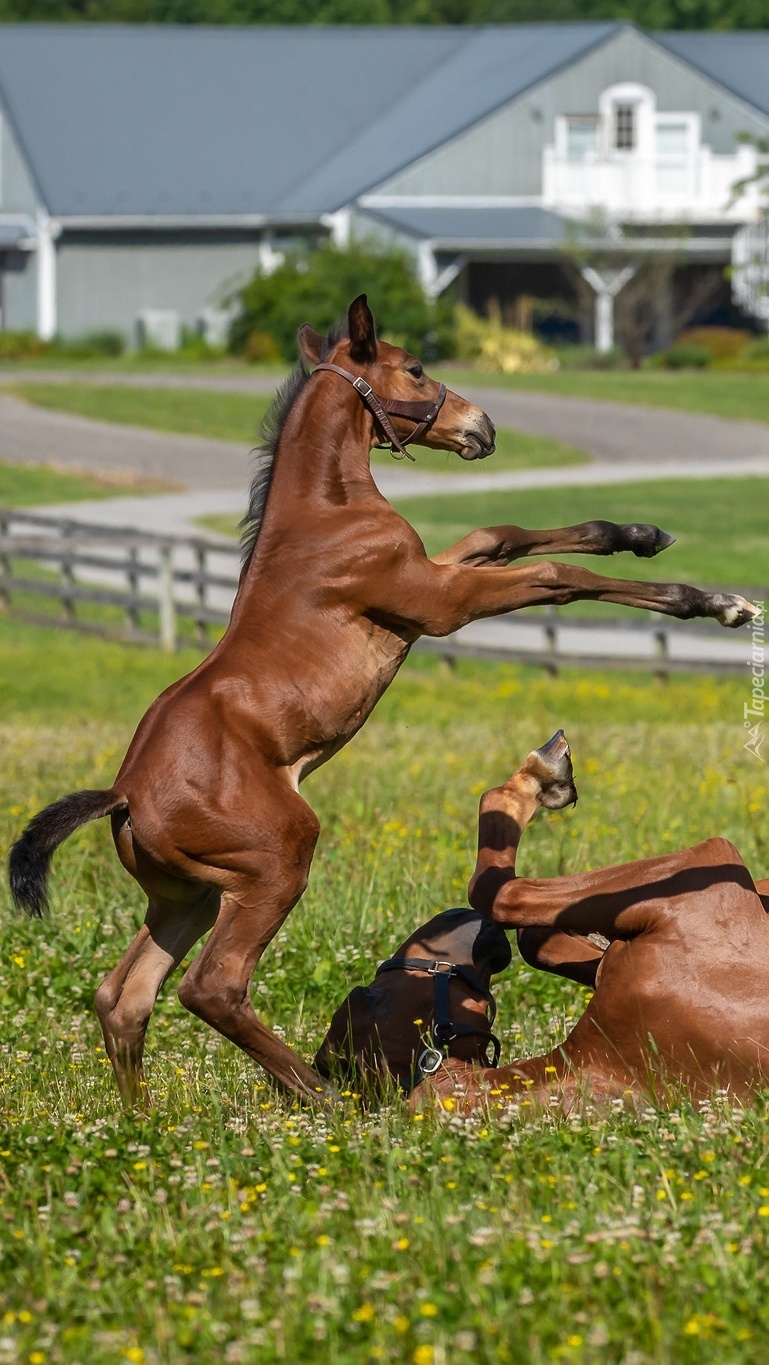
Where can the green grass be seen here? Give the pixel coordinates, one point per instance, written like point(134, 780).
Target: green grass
point(28, 485)
point(195, 412)
point(233, 1227)
point(725, 394)
point(237, 417)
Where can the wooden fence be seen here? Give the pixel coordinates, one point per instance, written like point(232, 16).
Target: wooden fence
point(171, 590)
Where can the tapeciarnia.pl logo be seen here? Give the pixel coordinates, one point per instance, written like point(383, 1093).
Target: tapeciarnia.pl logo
point(753, 712)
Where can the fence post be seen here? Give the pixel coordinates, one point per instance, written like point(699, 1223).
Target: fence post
point(5, 566)
point(662, 651)
point(201, 625)
point(133, 579)
point(166, 605)
point(551, 635)
point(67, 575)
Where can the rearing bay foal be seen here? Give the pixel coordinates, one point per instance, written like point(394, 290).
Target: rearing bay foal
point(336, 587)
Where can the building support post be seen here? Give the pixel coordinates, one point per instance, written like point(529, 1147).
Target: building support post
point(47, 232)
point(606, 285)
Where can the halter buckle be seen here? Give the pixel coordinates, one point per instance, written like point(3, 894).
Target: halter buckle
point(430, 1061)
point(439, 968)
point(363, 386)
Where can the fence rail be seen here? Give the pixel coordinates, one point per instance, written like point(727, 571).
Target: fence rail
point(147, 588)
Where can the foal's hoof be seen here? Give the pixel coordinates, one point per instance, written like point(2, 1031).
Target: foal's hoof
point(647, 541)
point(732, 610)
point(551, 765)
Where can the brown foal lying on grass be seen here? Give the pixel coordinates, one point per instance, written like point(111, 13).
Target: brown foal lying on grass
point(680, 992)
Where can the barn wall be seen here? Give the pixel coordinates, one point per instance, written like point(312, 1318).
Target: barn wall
point(104, 280)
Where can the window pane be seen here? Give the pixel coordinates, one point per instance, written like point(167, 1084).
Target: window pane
point(581, 138)
point(672, 139)
point(624, 127)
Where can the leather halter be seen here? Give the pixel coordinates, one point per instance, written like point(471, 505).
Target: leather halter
point(423, 413)
point(443, 1029)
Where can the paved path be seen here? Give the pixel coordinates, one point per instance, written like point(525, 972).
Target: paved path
point(613, 433)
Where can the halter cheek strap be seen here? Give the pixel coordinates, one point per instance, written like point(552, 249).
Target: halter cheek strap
point(444, 1030)
point(423, 413)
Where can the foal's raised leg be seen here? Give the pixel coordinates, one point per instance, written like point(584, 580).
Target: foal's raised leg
point(264, 883)
point(502, 544)
point(544, 779)
point(126, 998)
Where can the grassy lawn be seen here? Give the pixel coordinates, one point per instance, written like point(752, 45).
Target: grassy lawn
point(232, 1226)
point(724, 393)
point(237, 417)
point(28, 485)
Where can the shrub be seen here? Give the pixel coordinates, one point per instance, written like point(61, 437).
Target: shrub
point(588, 358)
point(492, 346)
point(684, 358)
point(318, 287)
point(720, 343)
point(22, 346)
point(259, 348)
point(94, 344)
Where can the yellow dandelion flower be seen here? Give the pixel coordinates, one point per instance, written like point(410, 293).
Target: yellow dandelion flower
point(428, 1309)
point(363, 1314)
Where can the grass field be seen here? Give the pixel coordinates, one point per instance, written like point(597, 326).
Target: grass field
point(232, 1226)
point(725, 394)
point(237, 417)
point(28, 485)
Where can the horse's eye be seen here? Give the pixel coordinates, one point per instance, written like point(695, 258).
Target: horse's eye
point(416, 370)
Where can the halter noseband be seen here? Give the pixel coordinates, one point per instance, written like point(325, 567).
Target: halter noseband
point(443, 1029)
point(423, 413)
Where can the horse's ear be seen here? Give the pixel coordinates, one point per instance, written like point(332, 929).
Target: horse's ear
point(362, 332)
point(310, 343)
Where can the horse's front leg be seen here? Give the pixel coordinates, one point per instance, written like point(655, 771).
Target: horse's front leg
point(502, 544)
point(437, 599)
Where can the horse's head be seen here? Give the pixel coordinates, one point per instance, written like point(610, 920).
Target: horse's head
point(418, 408)
point(385, 1028)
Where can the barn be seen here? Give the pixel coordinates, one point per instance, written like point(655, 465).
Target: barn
point(146, 171)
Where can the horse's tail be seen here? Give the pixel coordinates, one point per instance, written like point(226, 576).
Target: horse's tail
point(30, 857)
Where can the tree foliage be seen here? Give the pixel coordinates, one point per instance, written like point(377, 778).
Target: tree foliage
point(650, 14)
point(318, 287)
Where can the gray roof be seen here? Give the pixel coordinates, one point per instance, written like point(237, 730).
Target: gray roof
point(164, 121)
point(161, 120)
point(454, 227)
point(739, 61)
point(488, 69)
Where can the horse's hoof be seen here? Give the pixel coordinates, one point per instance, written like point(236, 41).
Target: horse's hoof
point(646, 541)
point(551, 765)
point(733, 610)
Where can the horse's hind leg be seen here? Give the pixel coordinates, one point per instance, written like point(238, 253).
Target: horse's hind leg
point(217, 987)
point(126, 998)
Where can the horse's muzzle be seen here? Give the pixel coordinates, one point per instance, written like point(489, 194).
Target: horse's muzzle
point(479, 440)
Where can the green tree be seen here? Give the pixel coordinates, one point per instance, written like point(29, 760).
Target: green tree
point(318, 286)
point(650, 14)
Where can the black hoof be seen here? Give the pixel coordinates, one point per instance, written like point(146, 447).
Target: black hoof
point(646, 541)
point(552, 764)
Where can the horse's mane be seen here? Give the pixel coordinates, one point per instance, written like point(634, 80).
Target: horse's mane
point(269, 438)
